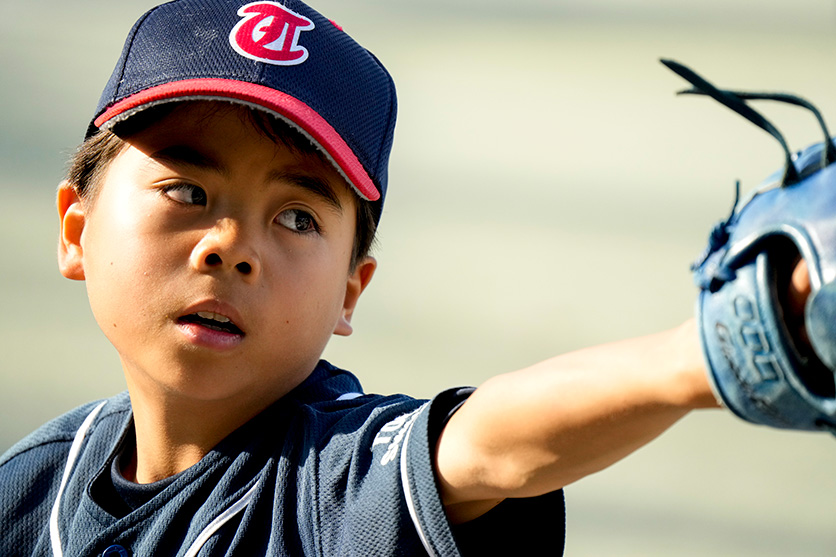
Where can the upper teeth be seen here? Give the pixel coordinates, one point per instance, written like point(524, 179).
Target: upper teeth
point(213, 316)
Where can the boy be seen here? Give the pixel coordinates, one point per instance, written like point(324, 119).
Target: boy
point(220, 213)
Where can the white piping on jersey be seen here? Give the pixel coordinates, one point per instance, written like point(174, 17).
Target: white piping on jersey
point(410, 502)
point(349, 396)
point(221, 519)
point(75, 448)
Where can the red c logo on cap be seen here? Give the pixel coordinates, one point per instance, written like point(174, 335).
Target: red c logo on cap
point(270, 33)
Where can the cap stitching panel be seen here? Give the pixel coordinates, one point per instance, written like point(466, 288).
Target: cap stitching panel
point(129, 43)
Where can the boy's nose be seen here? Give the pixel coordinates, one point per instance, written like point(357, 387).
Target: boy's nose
point(225, 247)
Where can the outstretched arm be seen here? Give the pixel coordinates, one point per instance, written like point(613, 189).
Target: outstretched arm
point(536, 430)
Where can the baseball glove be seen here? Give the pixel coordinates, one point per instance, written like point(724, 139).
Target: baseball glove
point(765, 368)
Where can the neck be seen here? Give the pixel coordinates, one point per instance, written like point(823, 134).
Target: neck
point(178, 423)
point(174, 432)
point(173, 437)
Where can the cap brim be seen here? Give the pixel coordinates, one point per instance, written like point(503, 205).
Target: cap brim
point(294, 111)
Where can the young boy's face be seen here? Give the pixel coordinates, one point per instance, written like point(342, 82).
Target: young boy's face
point(217, 262)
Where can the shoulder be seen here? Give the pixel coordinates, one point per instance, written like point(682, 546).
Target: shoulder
point(59, 433)
point(31, 471)
point(335, 408)
point(369, 460)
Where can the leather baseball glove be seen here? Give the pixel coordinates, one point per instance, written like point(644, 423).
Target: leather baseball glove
point(765, 365)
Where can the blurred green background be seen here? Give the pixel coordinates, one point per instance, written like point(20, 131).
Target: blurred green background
point(548, 191)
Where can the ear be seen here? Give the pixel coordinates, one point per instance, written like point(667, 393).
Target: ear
point(71, 223)
point(357, 282)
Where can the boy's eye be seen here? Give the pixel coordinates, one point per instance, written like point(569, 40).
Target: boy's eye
point(186, 193)
point(297, 221)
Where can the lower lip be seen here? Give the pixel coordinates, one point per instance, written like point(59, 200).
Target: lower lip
point(209, 338)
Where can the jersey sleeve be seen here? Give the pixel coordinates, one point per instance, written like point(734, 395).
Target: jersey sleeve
point(532, 526)
point(385, 501)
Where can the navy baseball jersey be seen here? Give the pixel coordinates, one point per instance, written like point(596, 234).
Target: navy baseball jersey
point(324, 471)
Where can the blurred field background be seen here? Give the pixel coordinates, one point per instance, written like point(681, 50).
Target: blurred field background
point(548, 191)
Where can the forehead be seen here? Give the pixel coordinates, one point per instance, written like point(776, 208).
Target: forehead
point(218, 134)
point(203, 119)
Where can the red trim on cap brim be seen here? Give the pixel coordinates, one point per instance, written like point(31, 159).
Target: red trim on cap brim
point(305, 117)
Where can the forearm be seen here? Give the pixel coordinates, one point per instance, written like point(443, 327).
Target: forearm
point(536, 430)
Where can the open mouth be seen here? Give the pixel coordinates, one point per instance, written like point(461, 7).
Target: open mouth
point(213, 321)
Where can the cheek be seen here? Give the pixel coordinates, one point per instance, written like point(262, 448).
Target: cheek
point(114, 250)
point(123, 266)
point(127, 234)
point(311, 291)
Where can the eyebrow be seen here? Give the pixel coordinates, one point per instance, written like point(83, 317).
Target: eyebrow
point(183, 155)
point(313, 184)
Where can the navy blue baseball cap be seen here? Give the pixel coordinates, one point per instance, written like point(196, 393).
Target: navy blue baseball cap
point(284, 58)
